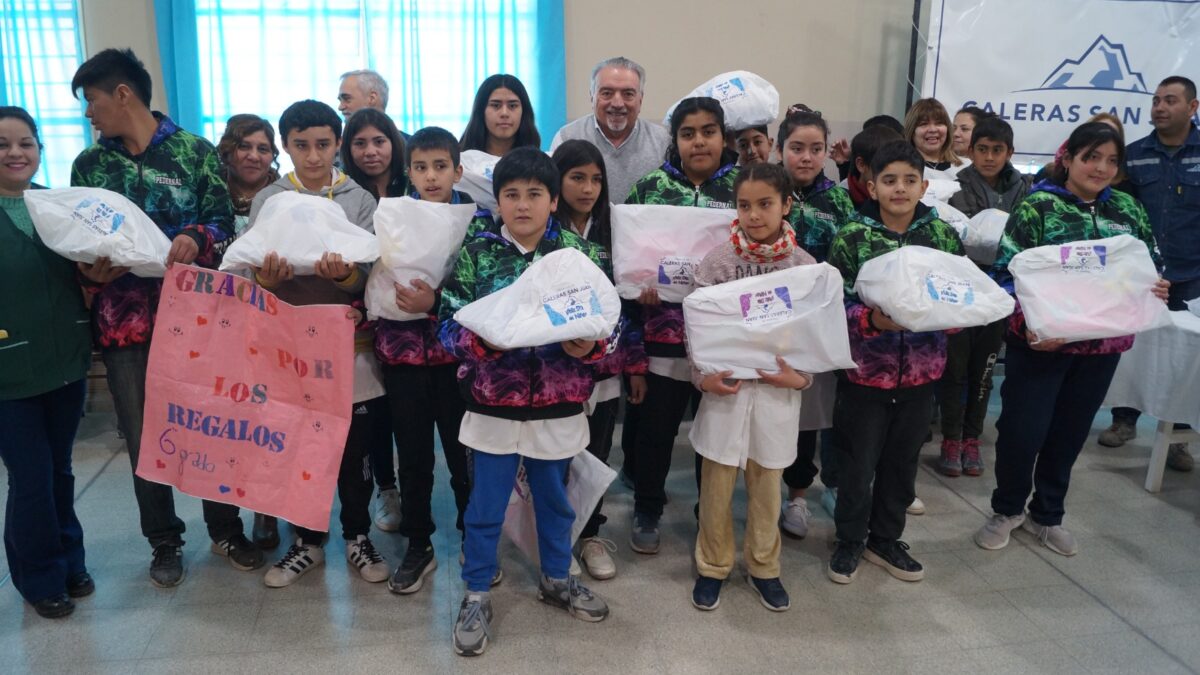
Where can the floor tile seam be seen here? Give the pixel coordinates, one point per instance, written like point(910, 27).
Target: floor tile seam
point(1038, 551)
point(8, 575)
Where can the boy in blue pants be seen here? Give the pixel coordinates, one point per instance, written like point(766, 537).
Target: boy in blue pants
point(524, 406)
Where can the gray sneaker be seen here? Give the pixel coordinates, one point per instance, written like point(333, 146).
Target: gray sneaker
point(644, 537)
point(995, 532)
point(473, 626)
point(574, 597)
point(1116, 435)
point(1178, 457)
point(1054, 537)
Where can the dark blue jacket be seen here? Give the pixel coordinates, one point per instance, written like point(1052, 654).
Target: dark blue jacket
point(1169, 188)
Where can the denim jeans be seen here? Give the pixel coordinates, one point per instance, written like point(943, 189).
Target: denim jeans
point(42, 536)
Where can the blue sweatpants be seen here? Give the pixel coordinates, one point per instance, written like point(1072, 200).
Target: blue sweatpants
point(491, 486)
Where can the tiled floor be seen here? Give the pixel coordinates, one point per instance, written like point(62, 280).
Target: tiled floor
point(1129, 602)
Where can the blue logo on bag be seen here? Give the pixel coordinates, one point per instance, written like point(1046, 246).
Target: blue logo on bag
point(565, 306)
point(97, 216)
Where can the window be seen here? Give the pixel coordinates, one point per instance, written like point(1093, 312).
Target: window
point(39, 42)
point(259, 56)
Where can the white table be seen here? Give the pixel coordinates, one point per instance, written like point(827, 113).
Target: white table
point(1160, 376)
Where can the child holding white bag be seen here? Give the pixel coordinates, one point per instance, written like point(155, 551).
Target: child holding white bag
point(1052, 389)
point(750, 424)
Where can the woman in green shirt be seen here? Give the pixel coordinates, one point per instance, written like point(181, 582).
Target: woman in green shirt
point(45, 350)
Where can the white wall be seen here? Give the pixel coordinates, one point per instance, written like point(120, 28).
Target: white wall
point(125, 23)
point(846, 58)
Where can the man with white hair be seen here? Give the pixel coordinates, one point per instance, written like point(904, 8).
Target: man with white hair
point(631, 147)
point(362, 89)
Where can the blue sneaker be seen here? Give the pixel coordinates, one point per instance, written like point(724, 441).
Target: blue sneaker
point(771, 593)
point(706, 594)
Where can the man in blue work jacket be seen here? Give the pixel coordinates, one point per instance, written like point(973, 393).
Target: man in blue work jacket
point(1164, 168)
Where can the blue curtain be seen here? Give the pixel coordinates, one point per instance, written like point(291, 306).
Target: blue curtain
point(259, 57)
point(39, 53)
point(178, 47)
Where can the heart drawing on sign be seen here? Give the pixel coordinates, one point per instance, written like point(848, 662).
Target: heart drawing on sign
point(193, 355)
point(305, 475)
point(223, 488)
point(160, 464)
point(200, 321)
point(253, 351)
point(241, 492)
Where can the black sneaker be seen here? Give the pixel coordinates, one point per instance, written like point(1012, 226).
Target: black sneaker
point(417, 564)
point(893, 556)
point(166, 568)
point(771, 593)
point(706, 594)
point(242, 554)
point(81, 585)
point(843, 564)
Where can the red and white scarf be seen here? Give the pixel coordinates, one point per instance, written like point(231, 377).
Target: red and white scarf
point(758, 252)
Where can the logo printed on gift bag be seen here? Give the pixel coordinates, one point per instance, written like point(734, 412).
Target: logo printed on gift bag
point(766, 307)
point(97, 216)
point(950, 290)
point(569, 304)
point(676, 271)
point(1084, 258)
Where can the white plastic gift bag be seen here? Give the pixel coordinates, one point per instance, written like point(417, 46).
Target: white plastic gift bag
point(950, 215)
point(981, 237)
point(1087, 290)
point(417, 240)
point(658, 247)
point(477, 177)
point(747, 99)
point(742, 325)
point(561, 296)
point(84, 224)
point(301, 228)
point(587, 480)
point(941, 186)
point(924, 289)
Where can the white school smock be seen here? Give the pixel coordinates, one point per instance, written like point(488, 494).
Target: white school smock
point(760, 422)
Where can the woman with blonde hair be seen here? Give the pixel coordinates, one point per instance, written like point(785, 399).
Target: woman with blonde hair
point(927, 126)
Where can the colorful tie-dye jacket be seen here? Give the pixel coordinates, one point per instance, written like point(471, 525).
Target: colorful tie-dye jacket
point(178, 182)
point(629, 357)
point(818, 212)
point(662, 324)
point(415, 342)
point(1051, 214)
point(889, 359)
point(520, 384)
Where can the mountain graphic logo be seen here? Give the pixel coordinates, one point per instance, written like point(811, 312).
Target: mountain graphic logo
point(1103, 66)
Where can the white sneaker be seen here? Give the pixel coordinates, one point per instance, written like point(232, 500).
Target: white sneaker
point(298, 560)
point(1054, 537)
point(596, 558)
point(794, 520)
point(916, 508)
point(387, 513)
point(995, 533)
point(362, 554)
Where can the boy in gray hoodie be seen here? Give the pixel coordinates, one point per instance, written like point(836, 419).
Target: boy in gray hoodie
point(311, 133)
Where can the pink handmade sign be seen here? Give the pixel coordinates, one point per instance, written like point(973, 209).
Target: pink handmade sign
point(248, 399)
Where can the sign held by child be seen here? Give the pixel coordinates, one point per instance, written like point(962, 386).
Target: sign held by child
point(248, 398)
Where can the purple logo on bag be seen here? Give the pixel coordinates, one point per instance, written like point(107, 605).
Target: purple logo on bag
point(769, 306)
point(1085, 258)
